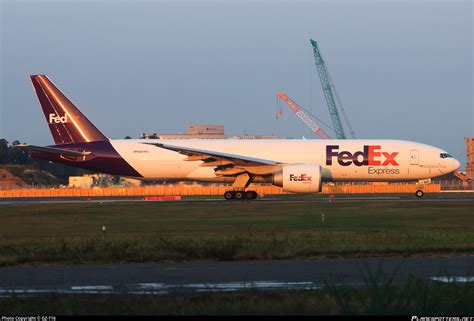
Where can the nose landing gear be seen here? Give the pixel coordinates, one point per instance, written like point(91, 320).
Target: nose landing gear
point(240, 195)
point(419, 193)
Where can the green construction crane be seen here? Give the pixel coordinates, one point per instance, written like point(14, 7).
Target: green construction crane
point(328, 87)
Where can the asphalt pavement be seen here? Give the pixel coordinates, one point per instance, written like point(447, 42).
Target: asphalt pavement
point(166, 278)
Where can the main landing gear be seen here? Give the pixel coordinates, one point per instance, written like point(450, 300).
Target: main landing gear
point(241, 182)
point(240, 195)
point(419, 193)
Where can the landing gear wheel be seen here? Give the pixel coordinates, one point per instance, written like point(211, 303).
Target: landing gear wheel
point(239, 195)
point(251, 195)
point(229, 195)
point(419, 193)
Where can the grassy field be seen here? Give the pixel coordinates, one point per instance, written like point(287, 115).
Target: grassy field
point(143, 232)
point(417, 297)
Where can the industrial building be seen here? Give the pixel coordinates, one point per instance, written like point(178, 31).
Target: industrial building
point(470, 157)
point(203, 131)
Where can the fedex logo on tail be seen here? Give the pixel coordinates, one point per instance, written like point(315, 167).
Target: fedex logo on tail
point(56, 119)
point(371, 155)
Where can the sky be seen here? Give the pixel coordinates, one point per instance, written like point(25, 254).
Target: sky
point(403, 69)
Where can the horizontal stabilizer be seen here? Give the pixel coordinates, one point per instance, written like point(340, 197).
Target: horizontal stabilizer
point(53, 150)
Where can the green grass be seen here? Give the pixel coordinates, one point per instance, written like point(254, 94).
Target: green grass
point(143, 232)
point(417, 297)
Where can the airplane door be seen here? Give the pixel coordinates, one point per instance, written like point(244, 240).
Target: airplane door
point(414, 157)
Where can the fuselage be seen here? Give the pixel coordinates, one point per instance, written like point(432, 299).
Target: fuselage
point(340, 160)
point(295, 165)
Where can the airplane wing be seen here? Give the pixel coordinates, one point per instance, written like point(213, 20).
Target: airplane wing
point(53, 150)
point(227, 164)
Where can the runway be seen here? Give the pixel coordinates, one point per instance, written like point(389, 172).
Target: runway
point(194, 277)
point(438, 197)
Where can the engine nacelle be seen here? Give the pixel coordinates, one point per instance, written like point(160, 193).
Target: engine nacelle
point(299, 178)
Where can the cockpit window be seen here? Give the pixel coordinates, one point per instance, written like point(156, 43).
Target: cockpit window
point(445, 155)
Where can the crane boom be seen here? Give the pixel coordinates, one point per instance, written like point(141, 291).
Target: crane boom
point(327, 88)
point(303, 116)
point(344, 115)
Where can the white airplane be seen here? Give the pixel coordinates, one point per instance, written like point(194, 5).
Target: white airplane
point(299, 166)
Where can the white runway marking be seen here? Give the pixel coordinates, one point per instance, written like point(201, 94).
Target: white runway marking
point(453, 279)
point(92, 288)
point(161, 288)
point(228, 286)
point(151, 286)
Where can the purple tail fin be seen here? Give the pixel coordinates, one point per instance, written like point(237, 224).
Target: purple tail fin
point(67, 124)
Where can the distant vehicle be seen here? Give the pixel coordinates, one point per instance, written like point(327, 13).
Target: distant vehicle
point(299, 166)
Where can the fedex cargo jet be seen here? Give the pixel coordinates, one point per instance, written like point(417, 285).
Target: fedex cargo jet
point(299, 166)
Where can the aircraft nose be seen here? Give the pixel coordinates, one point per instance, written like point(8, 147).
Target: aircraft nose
point(455, 164)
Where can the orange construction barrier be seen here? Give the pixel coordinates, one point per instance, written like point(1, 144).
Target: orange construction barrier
point(162, 198)
point(209, 190)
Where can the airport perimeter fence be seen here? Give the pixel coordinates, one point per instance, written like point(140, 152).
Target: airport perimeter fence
point(456, 185)
point(193, 190)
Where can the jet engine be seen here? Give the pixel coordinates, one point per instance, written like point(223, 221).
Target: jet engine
point(299, 178)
